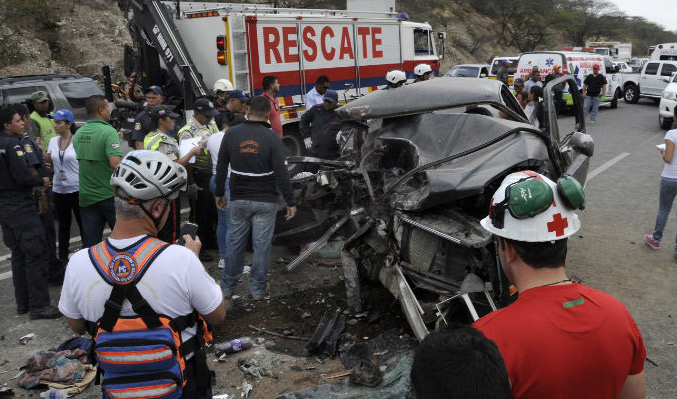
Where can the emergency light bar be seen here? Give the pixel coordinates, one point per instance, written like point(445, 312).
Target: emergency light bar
point(203, 14)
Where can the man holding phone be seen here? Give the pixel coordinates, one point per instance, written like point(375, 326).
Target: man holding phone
point(255, 155)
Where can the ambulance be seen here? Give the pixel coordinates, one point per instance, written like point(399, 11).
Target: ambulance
point(664, 52)
point(577, 64)
point(203, 42)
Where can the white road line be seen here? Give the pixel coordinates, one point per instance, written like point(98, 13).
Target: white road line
point(6, 275)
point(606, 165)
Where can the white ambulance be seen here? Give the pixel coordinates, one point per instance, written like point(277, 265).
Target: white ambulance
point(664, 52)
point(577, 64)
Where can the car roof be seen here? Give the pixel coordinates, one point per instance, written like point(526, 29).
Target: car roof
point(41, 78)
point(422, 97)
point(471, 65)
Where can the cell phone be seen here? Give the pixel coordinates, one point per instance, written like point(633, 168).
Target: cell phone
point(190, 229)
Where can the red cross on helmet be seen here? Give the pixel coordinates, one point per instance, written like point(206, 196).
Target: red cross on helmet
point(530, 207)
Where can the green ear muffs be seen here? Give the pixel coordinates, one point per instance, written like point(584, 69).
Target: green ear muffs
point(571, 192)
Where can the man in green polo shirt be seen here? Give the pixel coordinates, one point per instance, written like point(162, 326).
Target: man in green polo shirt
point(42, 128)
point(97, 145)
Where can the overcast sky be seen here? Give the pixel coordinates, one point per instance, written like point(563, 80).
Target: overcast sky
point(662, 12)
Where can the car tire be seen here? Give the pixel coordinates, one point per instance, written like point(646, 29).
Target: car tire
point(666, 123)
point(631, 94)
point(293, 146)
point(614, 101)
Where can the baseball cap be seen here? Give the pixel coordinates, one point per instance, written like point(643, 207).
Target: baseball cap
point(205, 107)
point(39, 96)
point(555, 66)
point(330, 96)
point(162, 111)
point(155, 89)
point(596, 66)
point(238, 95)
point(518, 82)
point(63, 115)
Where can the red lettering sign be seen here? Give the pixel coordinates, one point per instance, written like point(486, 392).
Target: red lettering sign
point(326, 31)
point(309, 44)
point(289, 43)
point(271, 39)
point(346, 46)
point(376, 41)
point(363, 31)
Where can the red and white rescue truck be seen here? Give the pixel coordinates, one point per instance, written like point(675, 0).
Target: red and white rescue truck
point(245, 42)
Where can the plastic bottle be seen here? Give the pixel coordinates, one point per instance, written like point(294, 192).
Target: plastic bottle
point(236, 345)
point(54, 394)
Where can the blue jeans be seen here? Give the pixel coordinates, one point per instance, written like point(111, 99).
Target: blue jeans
point(591, 102)
point(93, 218)
point(223, 224)
point(667, 195)
point(259, 219)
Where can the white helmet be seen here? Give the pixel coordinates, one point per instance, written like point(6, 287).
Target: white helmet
point(223, 85)
point(422, 69)
point(147, 175)
point(396, 76)
point(529, 207)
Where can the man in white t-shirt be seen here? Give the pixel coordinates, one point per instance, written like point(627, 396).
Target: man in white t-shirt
point(174, 284)
point(213, 146)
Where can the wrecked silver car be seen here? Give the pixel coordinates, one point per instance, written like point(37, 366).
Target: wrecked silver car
point(418, 168)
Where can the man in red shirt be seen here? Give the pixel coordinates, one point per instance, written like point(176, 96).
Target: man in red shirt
point(559, 339)
point(270, 89)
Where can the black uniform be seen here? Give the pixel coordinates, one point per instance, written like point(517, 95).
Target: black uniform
point(22, 231)
point(35, 158)
point(321, 126)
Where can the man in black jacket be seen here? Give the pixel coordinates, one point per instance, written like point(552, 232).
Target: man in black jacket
point(255, 155)
point(319, 126)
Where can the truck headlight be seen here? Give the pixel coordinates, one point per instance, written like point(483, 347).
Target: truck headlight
point(670, 95)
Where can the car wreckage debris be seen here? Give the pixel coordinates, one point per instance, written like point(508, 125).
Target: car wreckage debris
point(325, 339)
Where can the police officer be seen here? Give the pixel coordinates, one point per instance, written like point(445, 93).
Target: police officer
point(320, 125)
point(154, 97)
point(203, 207)
point(35, 157)
point(21, 229)
point(41, 127)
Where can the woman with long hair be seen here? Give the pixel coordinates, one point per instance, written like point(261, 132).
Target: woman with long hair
point(65, 183)
point(534, 108)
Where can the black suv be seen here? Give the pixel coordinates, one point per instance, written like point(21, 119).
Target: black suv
point(65, 91)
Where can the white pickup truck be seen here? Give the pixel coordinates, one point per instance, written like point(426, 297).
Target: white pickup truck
point(649, 83)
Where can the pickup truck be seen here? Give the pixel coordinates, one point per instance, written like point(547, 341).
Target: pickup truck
point(650, 83)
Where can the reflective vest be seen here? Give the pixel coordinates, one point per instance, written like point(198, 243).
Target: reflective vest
point(197, 130)
point(153, 140)
point(47, 130)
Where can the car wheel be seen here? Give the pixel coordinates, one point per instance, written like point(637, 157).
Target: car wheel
point(293, 146)
point(666, 123)
point(631, 94)
point(614, 101)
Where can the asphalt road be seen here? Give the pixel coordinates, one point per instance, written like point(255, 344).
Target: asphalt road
point(608, 252)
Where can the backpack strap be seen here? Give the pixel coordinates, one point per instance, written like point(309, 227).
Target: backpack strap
point(123, 269)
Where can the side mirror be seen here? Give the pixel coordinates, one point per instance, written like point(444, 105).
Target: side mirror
point(617, 68)
point(666, 80)
point(441, 41)
point(583, 143)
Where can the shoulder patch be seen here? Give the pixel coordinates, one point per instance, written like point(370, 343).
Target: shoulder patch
point(137, 126)
point(115, 145)
point(28, 148)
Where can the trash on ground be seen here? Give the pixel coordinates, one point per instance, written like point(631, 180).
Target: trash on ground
point(65, 367)
point(252, 368)
point(233, 346)
point(325, 338)
point(6, 391)
point(224, 396)
point(246, 389)
point(23, 340)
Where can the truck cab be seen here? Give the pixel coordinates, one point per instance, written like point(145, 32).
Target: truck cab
point(650, 83)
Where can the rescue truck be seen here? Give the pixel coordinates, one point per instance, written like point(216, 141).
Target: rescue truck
point(199, 43)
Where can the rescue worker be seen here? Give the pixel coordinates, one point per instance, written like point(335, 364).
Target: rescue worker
point(35, 157)
point(422, 72)
point(315, 95)
point(258, 171)
point(270, 89)
point(22, 231)
point(203, 208)
point(502, 73)
point(173, 283)
point(558, 331)
point(395, 78)
point(42, 127)
point(154, 97)
point(222, 89)
point(319, 127)
point(558, 89)
point(159, 139)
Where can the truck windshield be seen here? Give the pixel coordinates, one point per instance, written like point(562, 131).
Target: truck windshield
point(602, 51)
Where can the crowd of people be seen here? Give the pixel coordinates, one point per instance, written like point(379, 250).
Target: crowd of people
point(229, 158)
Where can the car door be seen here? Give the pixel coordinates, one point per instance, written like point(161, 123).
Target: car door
point(649, 80)
point(666, 72)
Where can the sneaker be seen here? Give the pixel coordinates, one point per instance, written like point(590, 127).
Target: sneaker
point(265, 295)
point(648, 238)
point(222, 263)
point(47, 312)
